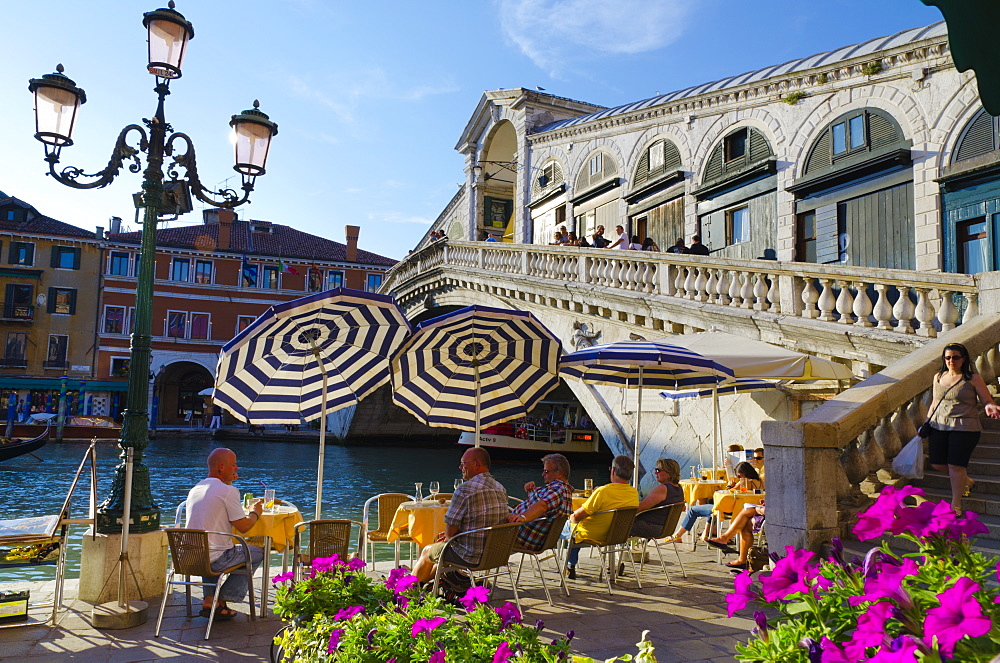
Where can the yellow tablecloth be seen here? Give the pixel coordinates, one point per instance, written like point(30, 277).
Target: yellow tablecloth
point(728, 502)
point(423, 522)
point(578, 502)
point(700, 490)
point(278, 524)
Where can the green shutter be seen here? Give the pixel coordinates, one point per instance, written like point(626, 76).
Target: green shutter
point(642, 170)
point(822, 153)
point(671, 157)
point(978, 138)
point(881, 131)
point(76, 258)
point(12, 254)
point(72, 302)
point(715, 163)
point(758, 147)
point(50, 303)
point(54, 262)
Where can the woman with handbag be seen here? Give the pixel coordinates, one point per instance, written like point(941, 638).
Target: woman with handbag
point(953, 427)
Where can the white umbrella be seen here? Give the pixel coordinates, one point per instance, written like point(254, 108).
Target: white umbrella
point(306, 357)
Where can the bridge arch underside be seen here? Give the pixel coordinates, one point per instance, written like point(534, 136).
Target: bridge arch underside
point(176, 392)
point(682, 429)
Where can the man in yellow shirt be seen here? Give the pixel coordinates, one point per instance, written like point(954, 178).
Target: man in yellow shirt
point(615, 495)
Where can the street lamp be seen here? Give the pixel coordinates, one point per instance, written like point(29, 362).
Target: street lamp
point(57, 100)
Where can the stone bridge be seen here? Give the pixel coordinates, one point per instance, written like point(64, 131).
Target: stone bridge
point(827, 446)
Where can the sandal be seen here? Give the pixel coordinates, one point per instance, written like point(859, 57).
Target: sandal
point(676, 538)
point(724, 547)
point(737, 565)
point(968, 487)
point(222, 613)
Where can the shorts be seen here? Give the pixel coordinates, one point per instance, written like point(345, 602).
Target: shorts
point(951, 447)
point(434, 554)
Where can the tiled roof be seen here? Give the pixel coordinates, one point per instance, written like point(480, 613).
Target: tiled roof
point(819, 60)
point(283, 242)
point(38, 224)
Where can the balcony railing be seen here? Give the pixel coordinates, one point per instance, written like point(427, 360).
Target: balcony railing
point(901, 301)
point(16, 311)
point(14, 362)
point(60, 364)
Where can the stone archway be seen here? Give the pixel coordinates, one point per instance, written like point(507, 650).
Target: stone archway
point(176, 390)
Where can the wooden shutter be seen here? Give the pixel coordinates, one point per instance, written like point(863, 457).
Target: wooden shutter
point(12, 253)
point(54, 262)
point(642, 170)
point(827, 235)
point(881, 131)
point(822, 153)
point(72, 302)
point(671, 157)
point(715, 163)
point(978, 139)
point(50, 304)
point(76, 258)
point(758, 147)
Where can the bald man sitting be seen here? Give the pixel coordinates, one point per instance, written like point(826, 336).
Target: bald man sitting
point(214, 504)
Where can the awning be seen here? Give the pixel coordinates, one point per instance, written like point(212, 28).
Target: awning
point(72, 383)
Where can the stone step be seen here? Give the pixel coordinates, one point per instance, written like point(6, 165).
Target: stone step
point(987, 485)
point(987, 450)
point(853, 547)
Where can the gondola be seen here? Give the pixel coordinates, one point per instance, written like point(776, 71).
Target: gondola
point(8, 451)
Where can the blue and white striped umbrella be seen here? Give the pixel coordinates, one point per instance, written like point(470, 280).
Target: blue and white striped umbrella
point(308, 357)
point(642, 365)
point(736, 386)
point(475, 367)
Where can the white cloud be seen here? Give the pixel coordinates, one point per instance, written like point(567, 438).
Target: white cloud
point(554, 32)
point(398, 217)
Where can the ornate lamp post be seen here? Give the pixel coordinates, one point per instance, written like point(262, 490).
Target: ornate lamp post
point(57, 100)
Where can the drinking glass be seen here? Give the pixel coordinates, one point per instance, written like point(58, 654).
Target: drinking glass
point(269, 499)
point(435, 488)
point(418, 496)
point(458, 482)
point(588, 485)
point(693, 472)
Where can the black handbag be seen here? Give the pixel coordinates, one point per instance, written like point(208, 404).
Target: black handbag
point(925, 428)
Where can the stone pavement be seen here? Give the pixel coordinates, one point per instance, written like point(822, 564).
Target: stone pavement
point(687, 620)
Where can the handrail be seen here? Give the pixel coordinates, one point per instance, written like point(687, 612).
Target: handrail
point(904, 301)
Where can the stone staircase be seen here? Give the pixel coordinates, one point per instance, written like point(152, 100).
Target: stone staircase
point(984, 499)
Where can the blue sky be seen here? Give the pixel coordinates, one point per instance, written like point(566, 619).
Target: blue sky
point(371, 97)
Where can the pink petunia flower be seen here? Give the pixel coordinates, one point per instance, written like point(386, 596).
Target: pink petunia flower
point(349, 613)
point(503, 653)
point(847, 652)
point(335, 636)
point(399, 581)
point(958, 615)
point(476, 594)
point(282, 577)
point(887, 583)
point(902, 650)
point(356, 564)
point(426, 625)
point(437, 657)
point(509, 614)
point(871, 624)
point(743, 593)
point(791, 574)
point(325, 564)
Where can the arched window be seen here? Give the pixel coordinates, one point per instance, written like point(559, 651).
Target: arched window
point(598, 168)
point(549, 177)
point(741, 149)
point(852, 136)
point(978, 138)
point(659, 159)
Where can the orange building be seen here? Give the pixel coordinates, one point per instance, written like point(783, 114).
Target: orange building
point(212, 280)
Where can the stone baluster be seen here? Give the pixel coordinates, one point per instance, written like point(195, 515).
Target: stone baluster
point(712, 286)
point(989, 371)
point(630, 273)
point(887, 438)
point(722, 288)
point(972, 310)
point(746, 291)
point(924, 312)
point(902, 424)
point(700, 285)
point(809, 299)
point(689, 281)
point(827, 303)
point(903, 311)
point(883, 309)
point(774, 294)
point(862, 306)
point(679, 281)
point(947, 313)
point(854, 462)
point(735, 288)
point(845, 304)
point(759, 292)
point(481, 259)
point(649, 270)
point(611, 274)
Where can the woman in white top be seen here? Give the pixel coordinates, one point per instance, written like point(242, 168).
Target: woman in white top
point(636, 245)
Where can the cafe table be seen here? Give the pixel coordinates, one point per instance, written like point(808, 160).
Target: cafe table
point(728, 501)
point(695, 491)
point(422, 521)
point(276, 528)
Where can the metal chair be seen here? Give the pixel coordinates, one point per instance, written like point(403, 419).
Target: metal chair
point(387, 503)
point(547, 552)
point(326, 539)
point(189, 555)
point(616, 541)
point(669, 526)
point(497, 549)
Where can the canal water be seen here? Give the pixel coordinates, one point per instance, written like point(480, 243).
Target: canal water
point(351, 475)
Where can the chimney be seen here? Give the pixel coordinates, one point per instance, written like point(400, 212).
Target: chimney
point(226, 218)
point(116, 225)
point(99, 234)
point(352, 242)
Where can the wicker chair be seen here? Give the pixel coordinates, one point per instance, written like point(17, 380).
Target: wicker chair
point(497, 549)
point(616, 541)
point(669, 526)
point(386, 503)
point(547, 552)
point(189, 556)
point(326, 539)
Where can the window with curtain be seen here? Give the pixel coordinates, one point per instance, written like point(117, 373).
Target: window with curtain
point(114, 319)
point(176, 324)
point(200, 325)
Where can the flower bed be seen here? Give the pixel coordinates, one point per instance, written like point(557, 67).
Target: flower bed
point(337, 612)
point(931, 605)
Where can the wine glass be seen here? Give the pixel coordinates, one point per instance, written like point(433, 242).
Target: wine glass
point(435, 488)
point(418, 496)
point(458, 482)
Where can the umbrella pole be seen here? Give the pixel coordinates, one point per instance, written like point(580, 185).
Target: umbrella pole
point(715, 428)
point(638, 427)
point(322, 433)
point(475, 369)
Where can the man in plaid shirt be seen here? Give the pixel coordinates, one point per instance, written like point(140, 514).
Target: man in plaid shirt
point(479, 502)
point(552, 499)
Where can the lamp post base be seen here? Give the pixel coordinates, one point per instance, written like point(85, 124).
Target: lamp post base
point(113, 616)
point(99, 560)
